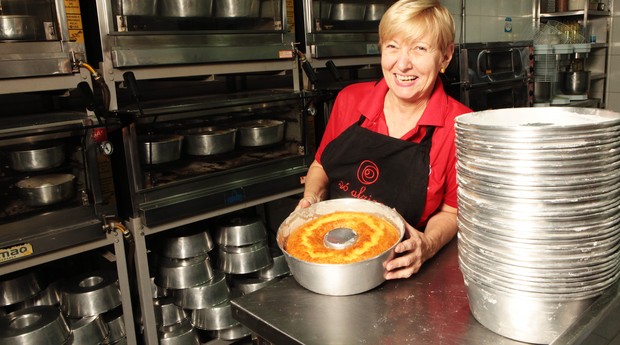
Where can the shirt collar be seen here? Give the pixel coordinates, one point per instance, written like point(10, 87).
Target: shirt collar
point(372, 106)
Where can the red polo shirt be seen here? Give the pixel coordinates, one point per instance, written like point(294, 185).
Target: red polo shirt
point(367, 98)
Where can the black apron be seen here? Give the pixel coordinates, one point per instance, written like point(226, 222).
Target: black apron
point(367, 165)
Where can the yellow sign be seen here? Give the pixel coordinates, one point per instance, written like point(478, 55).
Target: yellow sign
point(15, 252)
point(74, 21)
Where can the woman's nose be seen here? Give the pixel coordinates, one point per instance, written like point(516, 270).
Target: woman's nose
point(404, 60)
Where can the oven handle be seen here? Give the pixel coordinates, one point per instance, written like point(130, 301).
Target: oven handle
point(483, 54)
point(500, 84)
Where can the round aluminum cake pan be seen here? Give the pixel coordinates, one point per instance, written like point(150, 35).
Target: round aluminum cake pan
point(187, 242)
point(34, 325)
point(338, 279)
point(240, 231)
point(211, 293)
point(18, 287)
point(532, 320)
point(214, 318)
point(37, 157)
point(260, 132)
point(183, 273)
point(209, 141)
point(157, 149)
point(90, 293)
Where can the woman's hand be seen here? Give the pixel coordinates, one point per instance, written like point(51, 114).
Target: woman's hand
point(420, 246)
point(410, 254)
point(306, 201)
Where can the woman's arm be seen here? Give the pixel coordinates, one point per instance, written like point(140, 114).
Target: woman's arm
point(316, 186)
point(421, 246)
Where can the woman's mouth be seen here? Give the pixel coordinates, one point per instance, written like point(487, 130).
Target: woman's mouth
point(405, 78)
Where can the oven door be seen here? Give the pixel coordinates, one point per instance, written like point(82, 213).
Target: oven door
point(512, 94)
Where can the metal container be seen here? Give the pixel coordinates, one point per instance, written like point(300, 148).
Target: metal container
point(575, 83)
point(18, 287)
point(167, 312)
point(137, 7)
point(179, 334)
point(186, 245)
point(214, 318)
point(46, 189)
point(183, 273)
point(213, 292)
point(237, 8)
point(88, 330)
point(240, 231)
point(210, 141)
point(246, 259)
point(523, 318)
point(34, 325)
point(261, 132)
point(539, 231)
point(157, 149)
point(17, 28)
point(37, 158)
point(347, 11)
point(91, 293)
point(271, 9)
point(186, 8)
point(338, 279)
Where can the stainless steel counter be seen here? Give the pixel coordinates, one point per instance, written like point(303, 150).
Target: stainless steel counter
point(429, 308)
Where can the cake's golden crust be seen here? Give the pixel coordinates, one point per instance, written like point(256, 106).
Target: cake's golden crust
point(375, 236)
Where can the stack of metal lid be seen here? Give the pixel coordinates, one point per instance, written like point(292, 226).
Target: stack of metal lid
point(539, 227)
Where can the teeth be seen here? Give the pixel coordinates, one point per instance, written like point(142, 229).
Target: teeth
point(405, 77)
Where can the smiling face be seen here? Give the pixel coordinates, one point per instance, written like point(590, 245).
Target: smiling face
point(411, 68)
point(416, 38)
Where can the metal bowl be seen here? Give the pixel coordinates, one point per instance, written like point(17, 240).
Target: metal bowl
point(37, 157)
point(186, 243)
point(17, 28)
point(34, 325)
point(90, 293)
point(260, 132)
point(183, 273)
point(46, 190)
point(157, 149)
point(575, 83)
point(211, 293)
point(237, 8)
point(210, 141)
point(88, 330)
point(18, 287)
point(240, 231)
point(246, 259)
point(338, 279)
point(186, 8)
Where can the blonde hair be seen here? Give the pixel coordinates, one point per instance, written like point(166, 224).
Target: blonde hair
point(412, 19)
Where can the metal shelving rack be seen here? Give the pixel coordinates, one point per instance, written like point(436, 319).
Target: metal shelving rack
point(586, 17)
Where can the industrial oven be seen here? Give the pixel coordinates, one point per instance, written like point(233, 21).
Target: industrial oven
point(55, 183)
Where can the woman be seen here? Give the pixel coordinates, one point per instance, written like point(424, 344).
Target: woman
point(393, 141)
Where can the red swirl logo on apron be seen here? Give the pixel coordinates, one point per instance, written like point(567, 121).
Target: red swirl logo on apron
point(368, 172)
